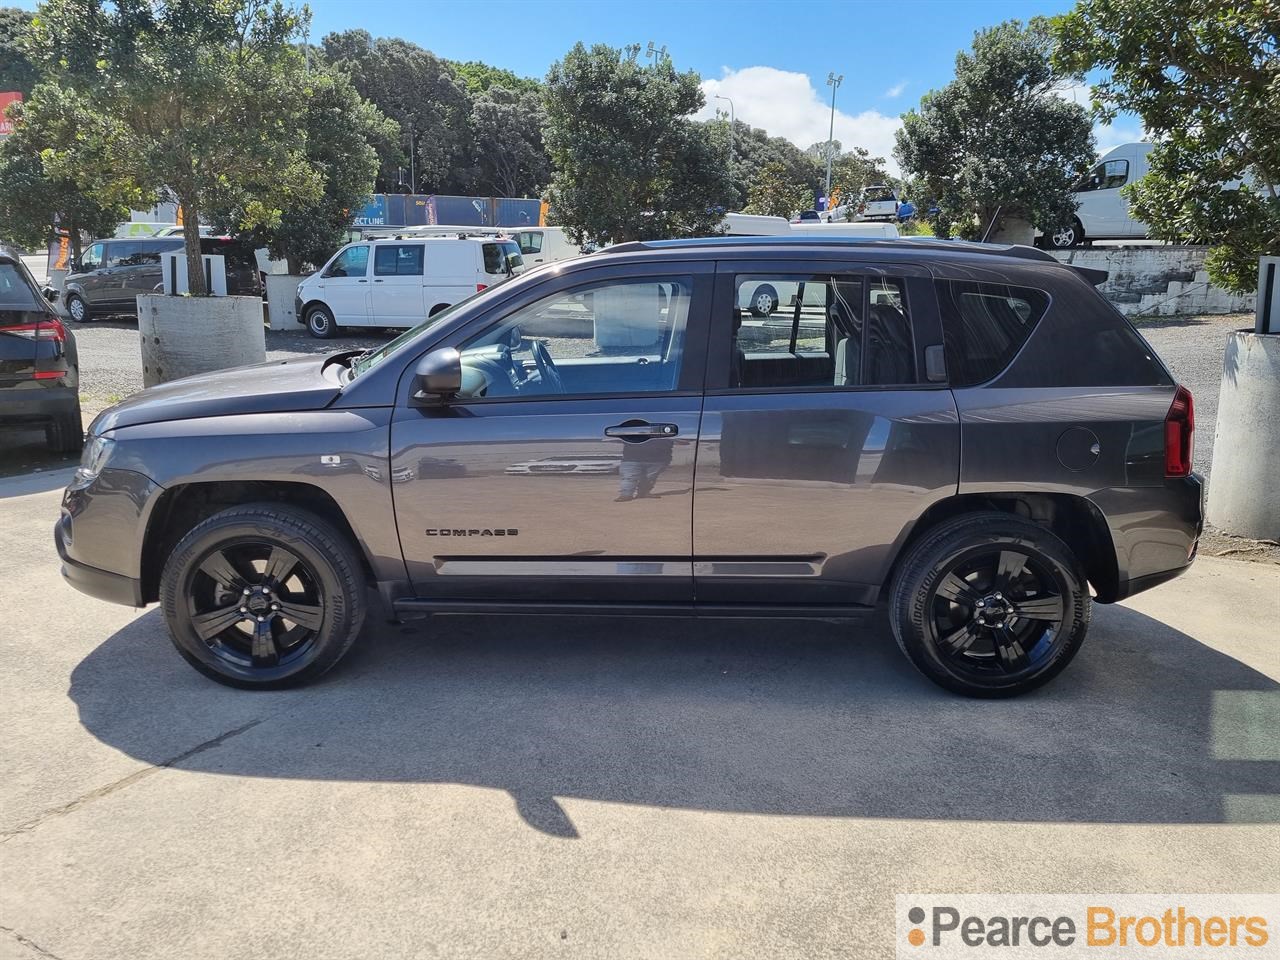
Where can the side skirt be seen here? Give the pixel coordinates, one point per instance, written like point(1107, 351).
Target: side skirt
point(411, 608)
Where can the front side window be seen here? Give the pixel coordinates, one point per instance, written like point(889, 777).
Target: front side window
point(617, 337)
point(1115, 173)
point(820, 331)
point(984, 325)
point(351, 262)
point(92, 258)
point(398, 260)
point(502, 257)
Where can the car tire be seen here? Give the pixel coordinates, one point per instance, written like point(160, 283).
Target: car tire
point(320, 323)
point(1066, 237)
point(955, 602)
point(764, 300)
point(66, 433)
point(220, 581)
point(78, 309)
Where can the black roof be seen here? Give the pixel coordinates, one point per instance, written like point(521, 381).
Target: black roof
point(956, 249)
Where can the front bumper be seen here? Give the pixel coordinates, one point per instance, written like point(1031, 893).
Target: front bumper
point(297, 309)
point(100, 532)
point(101, 584)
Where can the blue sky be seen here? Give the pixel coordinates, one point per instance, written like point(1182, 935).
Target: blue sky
point(771, 57)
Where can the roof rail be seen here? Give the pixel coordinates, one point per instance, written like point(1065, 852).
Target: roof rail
point(810, 240)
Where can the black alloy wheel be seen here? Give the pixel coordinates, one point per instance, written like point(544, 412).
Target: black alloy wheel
point(990, 605)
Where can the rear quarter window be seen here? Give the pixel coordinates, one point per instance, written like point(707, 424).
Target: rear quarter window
point(985, 325)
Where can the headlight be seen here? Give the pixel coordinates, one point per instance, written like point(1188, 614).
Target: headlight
point(95, 456)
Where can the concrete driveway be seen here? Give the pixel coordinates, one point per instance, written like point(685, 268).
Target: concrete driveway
point(523, 787)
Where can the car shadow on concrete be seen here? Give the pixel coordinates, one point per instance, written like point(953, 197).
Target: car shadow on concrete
point(761, 717)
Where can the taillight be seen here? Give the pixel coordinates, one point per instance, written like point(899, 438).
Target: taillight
point(1179, 429)
point(51, 330)
point(481, 286)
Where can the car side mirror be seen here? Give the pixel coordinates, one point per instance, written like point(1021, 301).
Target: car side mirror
point(50, 294)
point(438, 376)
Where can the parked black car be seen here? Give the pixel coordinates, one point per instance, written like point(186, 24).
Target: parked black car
point(39, 368)
point(111, 273)
point(968, 434)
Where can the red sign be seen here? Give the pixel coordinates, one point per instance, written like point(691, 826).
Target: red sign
point(6, 125)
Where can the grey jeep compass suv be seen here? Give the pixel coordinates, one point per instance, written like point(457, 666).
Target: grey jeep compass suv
point(969, 433)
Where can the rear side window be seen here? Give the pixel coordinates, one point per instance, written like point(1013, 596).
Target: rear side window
point(985, 325)
point(400, 260)
point(16, 292)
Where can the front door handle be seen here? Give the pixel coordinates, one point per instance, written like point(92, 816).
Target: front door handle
point(641, 429)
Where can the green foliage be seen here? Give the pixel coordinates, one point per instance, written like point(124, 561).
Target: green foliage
point(753, 150)
point(915, 227)
point(422, 93)
point(774, 194)
point(997, 138)
point(52, 122)
point(479, 77)
point(17, 72)
point(852, 171)
point(344, 136)
point(506, 128)
point(1205, 79)
point(204, 99)
point(629, 163)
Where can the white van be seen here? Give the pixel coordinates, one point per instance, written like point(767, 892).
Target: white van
point(399, 283)
point(1103, 213)
point(873, 230)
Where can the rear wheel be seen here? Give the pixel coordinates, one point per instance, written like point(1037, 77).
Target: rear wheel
point(66, 433)
point(764, 301)
point(263, 596)
point(77, 309)
point(320, 323)
point(990, 605)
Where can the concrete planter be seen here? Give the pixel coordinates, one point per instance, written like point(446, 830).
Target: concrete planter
point(1244, 497)
point(281, 289)
point(182, 336)
point(1013, 230)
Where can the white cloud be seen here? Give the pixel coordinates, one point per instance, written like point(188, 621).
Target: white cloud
point(896, 90)
point(789, 105)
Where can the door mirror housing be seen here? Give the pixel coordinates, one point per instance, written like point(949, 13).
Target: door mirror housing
point(438, 376)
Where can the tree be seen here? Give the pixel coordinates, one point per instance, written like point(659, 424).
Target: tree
point(32, 199)
point(205, 98)
point(774, 194)
point(17, 72)
point(997, 143)
point(344, 137)
point(753, 150)
point(1205, 79)
point(851, 172)
point(629, 163)
point(510, 157)
point(479, 77)
point(422, 93)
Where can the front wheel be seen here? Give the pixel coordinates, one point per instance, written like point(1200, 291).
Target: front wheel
point(263, 596)
point(320, 323)
point(77, 309)
point(990, 605)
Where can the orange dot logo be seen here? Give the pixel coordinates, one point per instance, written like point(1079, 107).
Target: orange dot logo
point(915, 936)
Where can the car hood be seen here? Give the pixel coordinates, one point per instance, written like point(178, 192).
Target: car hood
point(278, 386)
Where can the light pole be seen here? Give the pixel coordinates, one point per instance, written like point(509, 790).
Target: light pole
point(833, 82)
point(731, 122)
point(658, 53)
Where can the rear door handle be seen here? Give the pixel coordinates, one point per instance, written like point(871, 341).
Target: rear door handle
point(639, 429)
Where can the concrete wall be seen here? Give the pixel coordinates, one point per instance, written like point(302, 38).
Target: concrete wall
point(1157, 281)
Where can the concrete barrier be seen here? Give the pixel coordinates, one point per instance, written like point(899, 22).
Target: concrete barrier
point(281, 290)
point(182, 336)
point(1158, 281)
point(1244, 491)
